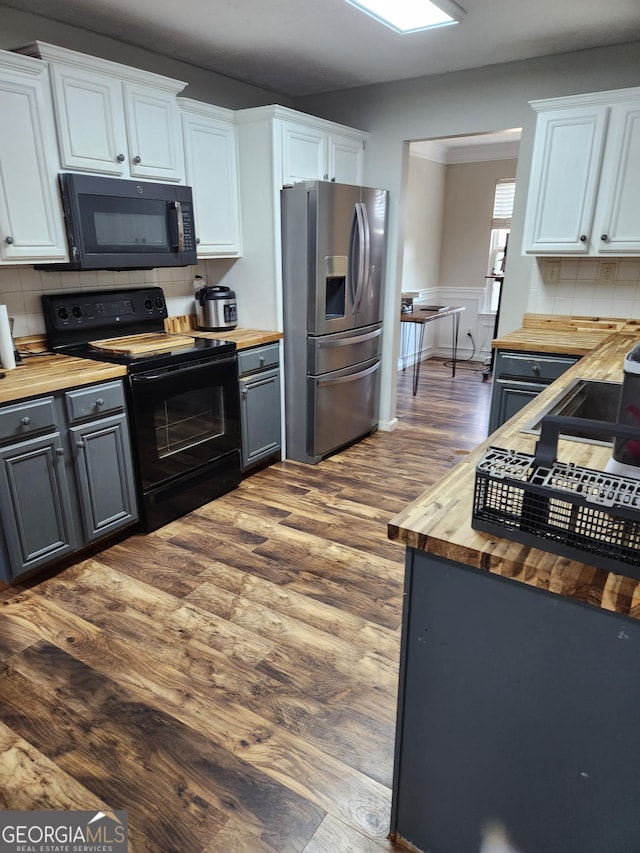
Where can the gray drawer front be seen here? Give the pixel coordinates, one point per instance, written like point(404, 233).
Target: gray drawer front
point(258, 358)
point(25, 419)
point(94, 401)
point(531, 367)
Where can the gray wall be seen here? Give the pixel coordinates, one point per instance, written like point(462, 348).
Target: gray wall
point(20, 28)
point(466, 102)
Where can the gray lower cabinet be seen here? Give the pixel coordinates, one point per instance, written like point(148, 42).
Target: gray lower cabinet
point(259, 369)
point(66, 475)
point(518, 377)
point(35, 504)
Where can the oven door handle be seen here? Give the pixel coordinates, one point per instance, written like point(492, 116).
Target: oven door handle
point(147, 378)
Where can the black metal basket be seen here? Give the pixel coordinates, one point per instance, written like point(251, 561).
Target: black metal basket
point(580, 513)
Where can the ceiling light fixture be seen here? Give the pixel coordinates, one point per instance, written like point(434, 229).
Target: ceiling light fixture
point(410, 16)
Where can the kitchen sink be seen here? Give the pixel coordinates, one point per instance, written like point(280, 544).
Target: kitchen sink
point(585, 398)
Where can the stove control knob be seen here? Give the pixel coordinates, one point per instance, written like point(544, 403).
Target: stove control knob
point(63, 313)
point(77, 312)
point(159, 303)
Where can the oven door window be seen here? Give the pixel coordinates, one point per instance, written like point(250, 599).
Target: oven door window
point(188, 419)
point(112, 225)
point(184, 418)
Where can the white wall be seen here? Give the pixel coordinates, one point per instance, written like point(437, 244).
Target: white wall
point(423, 219)
point(466, 102)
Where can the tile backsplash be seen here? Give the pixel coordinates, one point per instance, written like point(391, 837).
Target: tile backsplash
point(592, 287)
point(22, 286)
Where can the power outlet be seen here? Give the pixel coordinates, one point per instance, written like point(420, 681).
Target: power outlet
point(552, 272)
point(607, 270)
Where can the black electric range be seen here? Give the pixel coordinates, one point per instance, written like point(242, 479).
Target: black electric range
point(183, 400)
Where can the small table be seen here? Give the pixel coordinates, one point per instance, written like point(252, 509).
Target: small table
point(420, 317)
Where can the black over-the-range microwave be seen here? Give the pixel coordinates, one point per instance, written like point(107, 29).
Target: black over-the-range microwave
point(115, 224)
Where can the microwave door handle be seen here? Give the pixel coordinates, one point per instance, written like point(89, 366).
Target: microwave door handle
point(179, 221)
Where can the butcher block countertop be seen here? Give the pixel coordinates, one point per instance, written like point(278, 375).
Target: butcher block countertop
point(43, 373)
point(439, 521)
point(562, 335)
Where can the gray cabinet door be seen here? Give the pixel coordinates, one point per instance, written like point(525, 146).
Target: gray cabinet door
point(260, 415)
point(105, 475)
point(34, 503)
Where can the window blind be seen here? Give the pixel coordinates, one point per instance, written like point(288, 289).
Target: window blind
point(503, 204)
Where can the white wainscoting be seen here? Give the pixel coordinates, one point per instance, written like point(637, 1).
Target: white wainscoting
point(438, 335)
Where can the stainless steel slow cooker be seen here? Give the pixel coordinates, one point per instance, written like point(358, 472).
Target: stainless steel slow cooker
point(216, 308)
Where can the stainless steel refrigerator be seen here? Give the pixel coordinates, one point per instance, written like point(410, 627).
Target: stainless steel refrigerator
point(333, 241)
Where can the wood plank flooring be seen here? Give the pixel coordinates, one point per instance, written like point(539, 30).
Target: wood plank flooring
point(230, 680)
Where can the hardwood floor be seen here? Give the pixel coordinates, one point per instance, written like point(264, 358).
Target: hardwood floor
point(230, 680)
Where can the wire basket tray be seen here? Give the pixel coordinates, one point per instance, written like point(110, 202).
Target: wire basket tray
point(579, 513)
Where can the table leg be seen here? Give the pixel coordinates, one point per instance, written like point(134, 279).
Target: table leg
point(454, 348)
point(416, 356)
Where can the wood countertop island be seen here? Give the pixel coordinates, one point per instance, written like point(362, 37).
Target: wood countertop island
point(519, 690)
point(439, 521)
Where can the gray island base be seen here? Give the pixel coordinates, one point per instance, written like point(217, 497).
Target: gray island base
point(518, 706)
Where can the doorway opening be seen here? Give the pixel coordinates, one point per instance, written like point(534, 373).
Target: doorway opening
point(455, 237)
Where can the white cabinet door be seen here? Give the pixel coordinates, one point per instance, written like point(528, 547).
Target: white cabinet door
point(113, 119)
point(154, 133)
point(617, 222)
point(304, 153)
point(346, 156)
point(565, 172)
point(91, 125)
point(212, 172)
point(31, 227)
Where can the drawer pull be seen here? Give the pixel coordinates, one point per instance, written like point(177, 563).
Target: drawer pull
point(25, 421)
point(59, 451)
point(99, 402)
point(536, 369)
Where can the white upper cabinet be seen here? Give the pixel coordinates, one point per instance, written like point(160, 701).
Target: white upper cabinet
point(31, 225)
point(113, 119)
point(314, 149)
point(585, 176)
point(211, 158)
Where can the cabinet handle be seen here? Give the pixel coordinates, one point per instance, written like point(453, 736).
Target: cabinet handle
point(120, 158)
point(137, 160)
point(80, 445)
point(583, 238)
point(604, 238)
point(262, 359)
point(59, 451)
point(99, 402)
point(325, 177)
point(8, 240)
point(536, 369)
point(197, 241)
point(244, 393)
point(25, 421)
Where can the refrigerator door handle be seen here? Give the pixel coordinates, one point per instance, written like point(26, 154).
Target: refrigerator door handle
point(356, 255)
point(339, 380)
point(363, 278)
point(354, 339)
